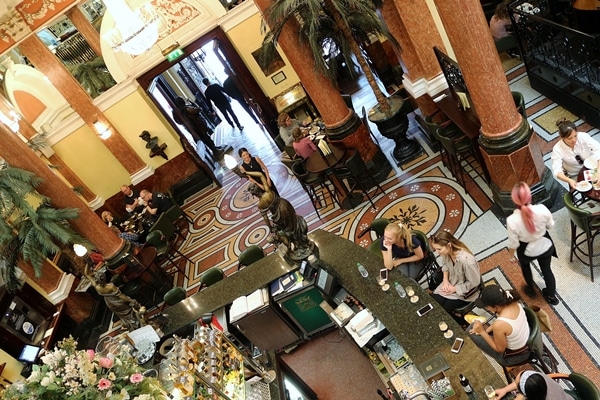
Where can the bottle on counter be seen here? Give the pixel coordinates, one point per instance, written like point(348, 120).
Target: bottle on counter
point(363, 271)
point(400, 289)
point(464, 382)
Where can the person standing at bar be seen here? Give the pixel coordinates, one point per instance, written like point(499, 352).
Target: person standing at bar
point(569, 153)
point(528, 236)
point(215, 93)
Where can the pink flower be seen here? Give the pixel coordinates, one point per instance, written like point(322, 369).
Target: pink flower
point(90, 353)
point(104, 384)
point(136, 378)
point(105, 362)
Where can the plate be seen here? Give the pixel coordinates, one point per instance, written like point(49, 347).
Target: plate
point(583, 186)
point(470, 318)
point(314, 129)
point(448, 334)
point(591, 162)
point(312, 137)
point(414, 299)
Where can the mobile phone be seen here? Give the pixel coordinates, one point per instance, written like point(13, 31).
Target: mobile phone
point(383, 274)
point(424, 310)
point(458, 342)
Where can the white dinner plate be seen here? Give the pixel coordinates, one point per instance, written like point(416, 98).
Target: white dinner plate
point(311, 137)
point(591, 162)
point(583, 186)
point(314, 129)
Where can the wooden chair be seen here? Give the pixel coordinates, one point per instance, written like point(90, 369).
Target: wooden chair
point(358, 176)
point(462, 157)
point(314, 185)
point(582, 244)
point(583, 387)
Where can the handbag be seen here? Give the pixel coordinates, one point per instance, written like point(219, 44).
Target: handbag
point(544, 318)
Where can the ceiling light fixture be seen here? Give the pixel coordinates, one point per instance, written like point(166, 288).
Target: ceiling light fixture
point(135, 31)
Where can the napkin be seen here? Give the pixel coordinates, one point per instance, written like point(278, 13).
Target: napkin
point(324, 147)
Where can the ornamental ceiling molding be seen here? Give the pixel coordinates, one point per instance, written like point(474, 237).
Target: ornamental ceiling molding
point(26, 17)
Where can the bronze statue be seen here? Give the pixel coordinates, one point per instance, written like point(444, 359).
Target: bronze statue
point(126, 308)
point(286, 226)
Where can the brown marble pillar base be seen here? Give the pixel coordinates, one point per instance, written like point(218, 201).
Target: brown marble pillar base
point(353, 133)
point(510, 159)
point(124, 252)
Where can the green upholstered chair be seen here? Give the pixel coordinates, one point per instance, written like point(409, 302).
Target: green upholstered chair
point(582, 243)
point(378, 226)
point(429, 262)
point(462, 156)
point(375, 247)
point(165, 250)
point(519, 103)
point(314, 185)
point(164, 224)
point(583, 387)
point(177, 216)
point(506, 43)
point(210, 277)
point(174, 296)
point(539, 356)
point(250, 255)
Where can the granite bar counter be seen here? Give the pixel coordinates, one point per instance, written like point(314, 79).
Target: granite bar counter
point(420, 336)
point(243, 282)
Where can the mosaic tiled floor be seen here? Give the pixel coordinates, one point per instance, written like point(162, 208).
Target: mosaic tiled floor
point(423, 195)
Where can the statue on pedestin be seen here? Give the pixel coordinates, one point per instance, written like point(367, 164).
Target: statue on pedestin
point(287, 227)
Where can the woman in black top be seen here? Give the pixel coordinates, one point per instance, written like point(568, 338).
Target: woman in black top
point(250, 163)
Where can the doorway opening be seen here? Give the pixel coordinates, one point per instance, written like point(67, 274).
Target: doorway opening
point(212, 57)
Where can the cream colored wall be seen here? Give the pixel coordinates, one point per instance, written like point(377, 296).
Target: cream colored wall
point(134, 114)
point(95, 165)
point(246, 38)
point(440, 27)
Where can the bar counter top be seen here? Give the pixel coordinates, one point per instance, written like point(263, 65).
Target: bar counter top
point(420, 336)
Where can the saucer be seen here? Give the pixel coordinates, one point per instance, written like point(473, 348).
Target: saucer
point(448, 334)
point(414, 299)
point(583, 186)
point(385, 287)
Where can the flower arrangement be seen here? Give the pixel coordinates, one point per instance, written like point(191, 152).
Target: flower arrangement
point(68, 373)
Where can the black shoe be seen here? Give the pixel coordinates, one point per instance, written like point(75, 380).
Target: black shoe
point(530, 291)
point(241, 128)
point(550, 299)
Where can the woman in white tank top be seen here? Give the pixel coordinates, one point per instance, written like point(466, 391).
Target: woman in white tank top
point(509, 332)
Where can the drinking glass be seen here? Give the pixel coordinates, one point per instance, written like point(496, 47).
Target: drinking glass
point(489, 392)
point(409, 291)
point(443, 326)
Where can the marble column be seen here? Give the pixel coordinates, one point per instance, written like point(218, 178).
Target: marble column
point(16, 152)
point(411, 23)
point(81, 22)
point(43, 60)
point(510, 150)
point(342, 124)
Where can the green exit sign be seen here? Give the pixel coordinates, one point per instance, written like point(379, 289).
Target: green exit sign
point(174, 54)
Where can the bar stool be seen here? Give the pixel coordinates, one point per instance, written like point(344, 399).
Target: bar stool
point(314, 185)
point(250, 255)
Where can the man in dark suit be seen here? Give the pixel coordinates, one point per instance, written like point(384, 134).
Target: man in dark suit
point(233, 91)
point(217, 95)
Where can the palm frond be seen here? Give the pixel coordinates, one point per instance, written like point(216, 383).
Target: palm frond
point(10, 253)
point(38, 142)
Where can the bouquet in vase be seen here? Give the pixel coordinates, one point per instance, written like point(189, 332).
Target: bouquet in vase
point(68, 373)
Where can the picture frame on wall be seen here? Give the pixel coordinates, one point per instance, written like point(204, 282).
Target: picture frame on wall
point(278, 77)
point(276, 63)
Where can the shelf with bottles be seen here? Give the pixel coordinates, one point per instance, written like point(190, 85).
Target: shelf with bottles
point(206, 366)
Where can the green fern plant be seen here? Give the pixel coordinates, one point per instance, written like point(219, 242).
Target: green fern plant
point(30, 228)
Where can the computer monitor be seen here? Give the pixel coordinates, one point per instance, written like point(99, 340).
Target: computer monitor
point(29, 354)
point(325, 282)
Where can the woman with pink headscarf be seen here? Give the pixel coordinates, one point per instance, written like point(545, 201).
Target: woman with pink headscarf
point(528, 236)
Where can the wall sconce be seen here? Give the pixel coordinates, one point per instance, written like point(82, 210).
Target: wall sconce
point(11, 120)
point(80, 250)
point(102, 130)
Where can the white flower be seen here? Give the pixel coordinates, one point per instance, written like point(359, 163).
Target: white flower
point(124, 395)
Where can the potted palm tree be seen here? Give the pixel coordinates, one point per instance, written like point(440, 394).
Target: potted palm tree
point(30, 228)
point(339, 26)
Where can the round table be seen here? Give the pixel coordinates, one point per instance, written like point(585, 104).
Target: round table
point(593, 194)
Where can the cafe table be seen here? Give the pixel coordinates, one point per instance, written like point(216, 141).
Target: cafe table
point(319, 163)
point(466, 120)
point(592, 194)
point(142, 266)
